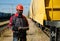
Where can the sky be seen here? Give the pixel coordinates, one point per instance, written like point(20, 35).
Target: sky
point(9, 6)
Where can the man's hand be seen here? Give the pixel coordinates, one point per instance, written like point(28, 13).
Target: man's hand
point(19, 28)
point(13, 31)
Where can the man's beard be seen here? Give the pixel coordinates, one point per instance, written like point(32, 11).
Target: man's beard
point(20, 15)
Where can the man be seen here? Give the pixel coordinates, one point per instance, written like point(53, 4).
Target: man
point(19, 24)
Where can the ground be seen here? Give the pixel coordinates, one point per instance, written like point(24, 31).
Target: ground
point(33, 34)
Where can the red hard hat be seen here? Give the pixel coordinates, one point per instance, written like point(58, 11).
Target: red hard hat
point(19, 7)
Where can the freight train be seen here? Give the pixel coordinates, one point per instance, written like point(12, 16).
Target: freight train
point(46, 13)
point(4, 15)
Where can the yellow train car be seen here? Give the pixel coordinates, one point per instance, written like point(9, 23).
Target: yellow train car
point(45, 12)
point(38, 10)
point(52, 9)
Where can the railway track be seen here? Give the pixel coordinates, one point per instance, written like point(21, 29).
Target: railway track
point(3, 27)
point(46, 30)
point(2, 20)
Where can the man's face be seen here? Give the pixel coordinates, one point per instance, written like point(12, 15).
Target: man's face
point(20, 11)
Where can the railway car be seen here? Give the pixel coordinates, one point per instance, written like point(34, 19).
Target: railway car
point(47, 14)
point(5, 15)
point(37, 11)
